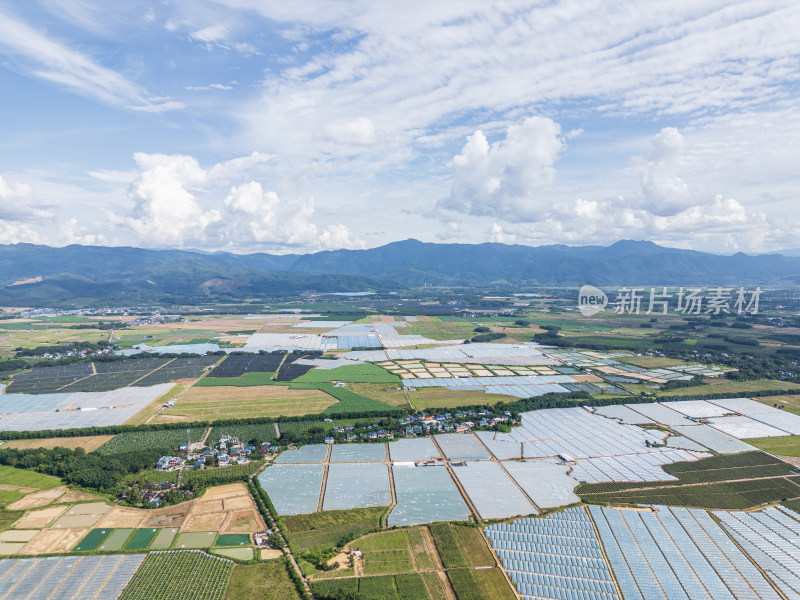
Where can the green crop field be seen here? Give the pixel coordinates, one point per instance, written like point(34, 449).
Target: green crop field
point(232, 539)
point(735, 481)
point(446, 542)
point(25, 478)
point(349, 401)
point(180, 575)
point(92, 540)
point(263, 433)
point(267, 580)
point(409, 586)
point(486, 584)
point(723, 386)
point(131, 441)
point(246, 380)
point(473, 546)
point(315, 531)
point(141, 539)
point(363, 373)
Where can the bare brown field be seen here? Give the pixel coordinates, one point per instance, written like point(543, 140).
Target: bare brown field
point(54, 541)
point(243, 521)
point(76, 496)
point(214, 402)
point(18, 535)
point(144, 415)
point(171, 516)
point(37, 519)
point(204, 522)
point(122, 517)
point(37, 499)
point(88, 443)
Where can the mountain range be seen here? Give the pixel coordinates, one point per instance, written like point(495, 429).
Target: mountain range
point(41, 275)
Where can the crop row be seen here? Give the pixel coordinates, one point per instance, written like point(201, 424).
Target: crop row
point(180, 575)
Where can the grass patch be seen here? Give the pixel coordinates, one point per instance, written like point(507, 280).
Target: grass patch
point(786, 446)
point(316, 531)
point(25, 478)
point(265, 580)
point(651, 362)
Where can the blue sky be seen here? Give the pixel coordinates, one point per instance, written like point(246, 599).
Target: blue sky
point(244, 125)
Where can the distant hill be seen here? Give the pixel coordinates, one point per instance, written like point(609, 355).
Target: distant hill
point(36, 275)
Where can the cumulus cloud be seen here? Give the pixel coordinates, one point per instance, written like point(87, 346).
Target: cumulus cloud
point(177, 203)
point(664, 192)
point(505, 179)
point(498, 235)
point(16, 203)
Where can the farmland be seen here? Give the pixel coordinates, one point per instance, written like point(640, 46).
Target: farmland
point(180, 575)
point(727, 482)
point(107, 376)
point(363, 373)
point(88, 443)
point(252, 582)
point(435, 397)
point(315, 531)
point(223, 402)
point(785, 446)
point(131, 441)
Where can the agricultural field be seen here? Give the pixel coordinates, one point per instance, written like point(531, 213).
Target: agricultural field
point(89, 443)
point(253, 378)
point(131, 441)
point(9, 476)
point(390, 587)
point(486, 584)
point(316, 531)
point(263, 580)
point(107, 376)
point(734, 388)
point(263, 433)
point(440, 330)
point(236, 365)
point(738, 481)
point(788, 403)
point(438, 397)
point(461, 546)
point(783, 446)
point(223, 402)
point(386, 393)
point(180, 575)
point(362, 373)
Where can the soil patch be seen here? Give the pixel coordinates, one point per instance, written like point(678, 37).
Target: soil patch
point(37, 499)
point(36, 519)
point(54, 541)
point(122, 517)
point(204, 522)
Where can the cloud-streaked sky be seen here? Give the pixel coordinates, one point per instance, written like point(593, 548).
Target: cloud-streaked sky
point(246, 125)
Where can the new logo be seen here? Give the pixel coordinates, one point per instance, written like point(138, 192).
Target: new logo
point(591, 300)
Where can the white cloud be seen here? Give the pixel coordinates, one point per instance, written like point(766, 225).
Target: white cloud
point(177, 203)
point(166, 212)
point(44, 58)
point(16, 203)
point(359, 131)
point(505, 179)
point(498, 235)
